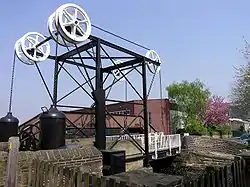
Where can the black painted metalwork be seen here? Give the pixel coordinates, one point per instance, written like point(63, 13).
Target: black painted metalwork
point(29, 137)
point(99, 98)
point(56, 74)
point(8, 127)
point(53, 122)
point(9, 123)
point(73, 52)
point(145, 114)
point(52, 125)
point(125, 64)
point(113, 162)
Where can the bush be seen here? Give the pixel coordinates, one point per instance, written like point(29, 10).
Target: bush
point(225, 130)
point(219, 130)
point(212, 130)
point(180, 131)
point(196, 128)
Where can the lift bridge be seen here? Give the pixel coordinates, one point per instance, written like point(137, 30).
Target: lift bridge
point(99, 65)
point(160, 145)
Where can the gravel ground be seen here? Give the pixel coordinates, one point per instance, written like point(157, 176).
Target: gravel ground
point(148, 178)
point(193, 165)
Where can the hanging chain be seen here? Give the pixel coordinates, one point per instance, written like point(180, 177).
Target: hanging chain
point(12, 82)
point(126, 99)
point(56, 70)
point(162, 123)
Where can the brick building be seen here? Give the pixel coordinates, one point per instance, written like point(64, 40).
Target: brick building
point(158, 109)
point(127, 114)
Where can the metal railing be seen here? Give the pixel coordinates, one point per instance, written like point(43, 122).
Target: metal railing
point(157, 142)
point(124, 137)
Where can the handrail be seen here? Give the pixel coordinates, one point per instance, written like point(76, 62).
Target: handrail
point(157, 141)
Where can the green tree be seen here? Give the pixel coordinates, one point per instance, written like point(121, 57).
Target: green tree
point(191, 98)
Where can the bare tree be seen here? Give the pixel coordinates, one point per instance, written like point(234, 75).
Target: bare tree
point(240, 95)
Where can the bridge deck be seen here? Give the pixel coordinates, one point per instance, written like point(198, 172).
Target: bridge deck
point(158, 142)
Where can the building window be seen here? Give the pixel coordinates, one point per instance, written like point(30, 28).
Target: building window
point(121, 112)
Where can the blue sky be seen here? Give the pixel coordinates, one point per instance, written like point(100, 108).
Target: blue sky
point(195, 39)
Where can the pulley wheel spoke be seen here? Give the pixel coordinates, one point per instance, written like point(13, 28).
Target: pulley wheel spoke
point(73, 23)
point(151, 54)
point(20, 55)
point(29, 47)
point(56, 36)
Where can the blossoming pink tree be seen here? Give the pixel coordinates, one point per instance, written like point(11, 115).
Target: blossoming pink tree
point(217, 112)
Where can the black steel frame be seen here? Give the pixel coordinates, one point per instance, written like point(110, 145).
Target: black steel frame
point(99, 95)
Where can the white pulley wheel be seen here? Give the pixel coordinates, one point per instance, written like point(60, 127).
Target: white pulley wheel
point(151, 54)
point(54, 32)
point(19, 53)
point(73, 23)
point(30, 48)
point(117, 72)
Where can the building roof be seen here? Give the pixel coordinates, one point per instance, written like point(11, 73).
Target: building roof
point(238, 120)
point(87, 111)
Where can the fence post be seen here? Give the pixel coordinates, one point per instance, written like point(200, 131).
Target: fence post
point(34, 177)
point(72, 177)
point(217, 177)
point(222, 177)
point(60, 176)
point(12, 163)
point(79, 179)
point(94, 181)
point(123, 184)
point(67, 176)
point(104, 181)
point(201, 182)
point(188, 184)
point(244, 171)
point(46, 172)
point(169, 145)
point(213, 179)
point(238, 172)
point(208, 179)
point(179, 142)
point(156, 151)
point(86, 180)
point(241, 172)
point(51, 179)
point(111, 182)
point(196, 183)
point(31, 172)
point(40, 174)
point(55, 174)
point(234, 174)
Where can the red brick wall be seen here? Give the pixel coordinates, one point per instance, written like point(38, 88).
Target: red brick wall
point(160, 114)
point(156, 107)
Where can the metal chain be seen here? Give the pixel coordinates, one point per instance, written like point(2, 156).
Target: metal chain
point(56, 69)
point(12, 81)
point(126, 99)
point(161, 96)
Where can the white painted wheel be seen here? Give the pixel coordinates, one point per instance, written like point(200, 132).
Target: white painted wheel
point(117, 72)
point(29, 47)
point(19, 53)
point(54, 32)
point(151, 54)
point(73, 23)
